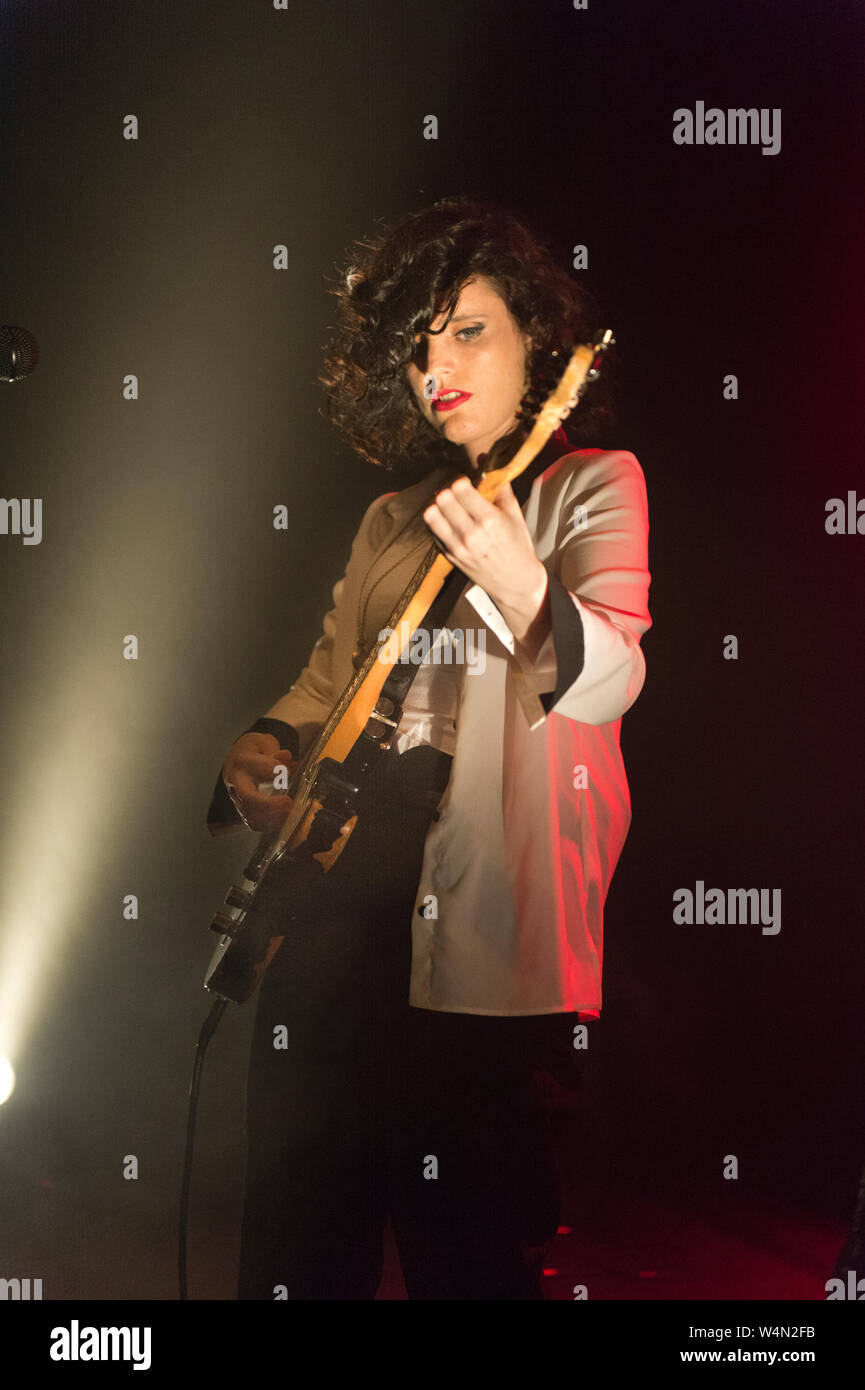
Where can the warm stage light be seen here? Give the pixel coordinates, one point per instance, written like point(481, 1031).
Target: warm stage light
point(61, 848)
point(7, 1080)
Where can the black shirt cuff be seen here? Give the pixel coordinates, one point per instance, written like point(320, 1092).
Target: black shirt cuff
point(568, 640)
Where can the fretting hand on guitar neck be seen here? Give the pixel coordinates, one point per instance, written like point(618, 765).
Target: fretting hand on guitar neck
point(491, 544)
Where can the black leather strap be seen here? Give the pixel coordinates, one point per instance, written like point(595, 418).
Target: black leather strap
point(400, 678)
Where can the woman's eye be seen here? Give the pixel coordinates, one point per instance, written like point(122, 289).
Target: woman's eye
point(478, 328)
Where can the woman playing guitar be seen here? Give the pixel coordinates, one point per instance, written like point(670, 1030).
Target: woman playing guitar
point(458, 936)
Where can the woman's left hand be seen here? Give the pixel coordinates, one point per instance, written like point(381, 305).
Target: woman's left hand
point(488, 541)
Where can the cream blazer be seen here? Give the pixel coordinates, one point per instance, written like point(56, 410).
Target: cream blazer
point(508, 917)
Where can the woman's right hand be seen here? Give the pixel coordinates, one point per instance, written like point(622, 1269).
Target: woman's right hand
point(252, 759)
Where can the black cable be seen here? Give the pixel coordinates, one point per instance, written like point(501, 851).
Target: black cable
point(208, 1028)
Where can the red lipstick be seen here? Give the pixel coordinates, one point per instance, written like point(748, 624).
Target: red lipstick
point(439, 404)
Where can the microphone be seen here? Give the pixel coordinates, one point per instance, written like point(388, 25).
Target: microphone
point(19, 353)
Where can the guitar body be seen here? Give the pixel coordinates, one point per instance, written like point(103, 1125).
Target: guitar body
point(281, 880)
point(277, 902)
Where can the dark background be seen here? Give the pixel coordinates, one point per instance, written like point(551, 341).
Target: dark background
point(154, 257)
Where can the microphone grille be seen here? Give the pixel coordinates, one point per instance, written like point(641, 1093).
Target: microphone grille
point(19, 353)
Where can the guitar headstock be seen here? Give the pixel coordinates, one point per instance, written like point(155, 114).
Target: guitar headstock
point(583, 368)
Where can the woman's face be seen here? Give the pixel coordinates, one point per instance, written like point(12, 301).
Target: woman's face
point(481, 353)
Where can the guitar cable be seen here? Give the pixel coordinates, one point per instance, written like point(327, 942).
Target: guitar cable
point(208, 1028)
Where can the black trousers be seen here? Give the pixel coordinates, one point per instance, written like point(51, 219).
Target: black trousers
point(360, 1106)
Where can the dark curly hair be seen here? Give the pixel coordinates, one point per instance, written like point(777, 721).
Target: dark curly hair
point(391, 289)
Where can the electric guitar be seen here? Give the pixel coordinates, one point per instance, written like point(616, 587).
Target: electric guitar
point(280, 879)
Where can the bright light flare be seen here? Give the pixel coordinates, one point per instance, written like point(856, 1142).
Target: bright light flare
point(7, 1080)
